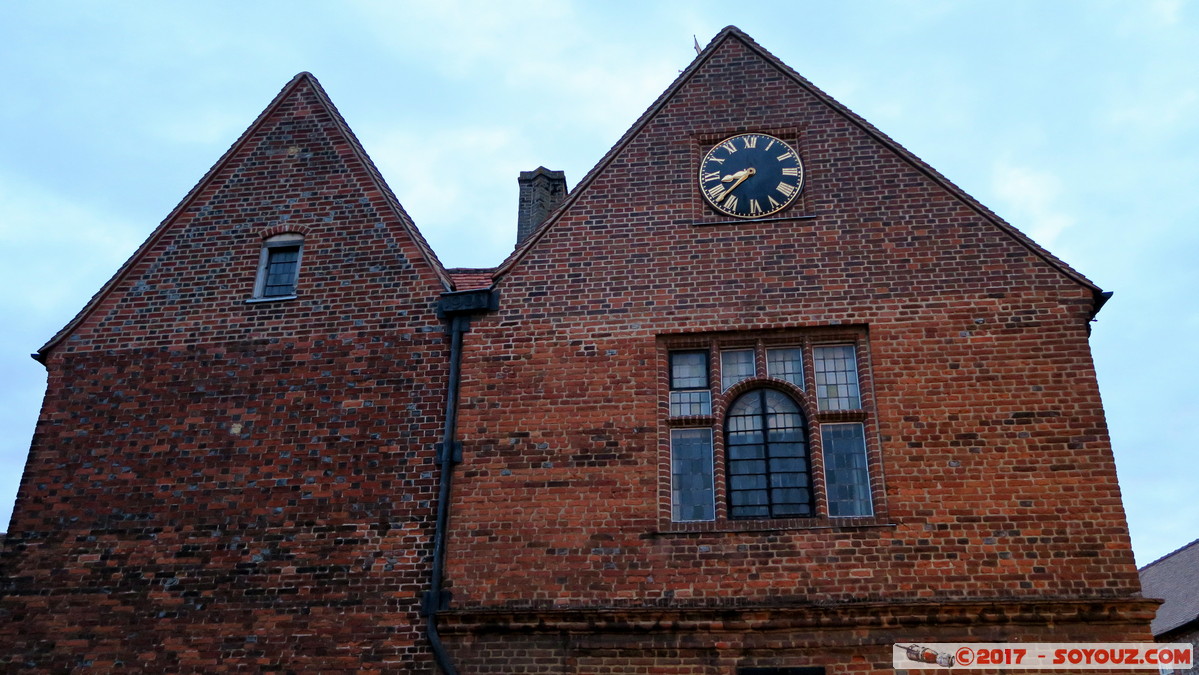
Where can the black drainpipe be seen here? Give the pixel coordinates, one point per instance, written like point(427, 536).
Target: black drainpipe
point(456, 308)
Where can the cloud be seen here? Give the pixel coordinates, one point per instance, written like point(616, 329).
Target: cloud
point(1031, 201)
point(211, 126)
point(458, 185)
point(1166, 11)
point(1155, 119)
point(88, 246)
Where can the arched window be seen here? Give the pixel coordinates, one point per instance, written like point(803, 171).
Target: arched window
point(279, 267)
point(766, 448)
point(772, 397)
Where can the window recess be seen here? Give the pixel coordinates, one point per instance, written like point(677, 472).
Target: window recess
point(278, 268)
point(772, 428)
point(690, 391)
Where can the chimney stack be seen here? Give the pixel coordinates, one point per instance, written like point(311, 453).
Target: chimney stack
point(541, 191)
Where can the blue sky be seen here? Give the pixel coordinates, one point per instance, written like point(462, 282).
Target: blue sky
point(1076, 120)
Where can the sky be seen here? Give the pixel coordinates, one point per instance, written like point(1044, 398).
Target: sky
point(1077, 121)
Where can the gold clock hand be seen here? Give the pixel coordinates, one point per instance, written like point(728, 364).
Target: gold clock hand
point(740, 177)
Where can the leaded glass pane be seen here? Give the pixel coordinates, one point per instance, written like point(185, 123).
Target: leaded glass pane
point(748, 405)
point(735, 366)
point(836, 372)
point(778, 402)
point(684, 403)
point(692, 493)
point(746, 466)
point(847, 474)
point(766, 445)
point(798, 449)
point(689, 393)
point(787, 464)
point(689, 370)
point(783, 510)
point(748, 482)
point(281, 265)
point(786, 363)
point(747, 452)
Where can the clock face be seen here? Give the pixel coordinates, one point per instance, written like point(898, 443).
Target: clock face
point(751, 176)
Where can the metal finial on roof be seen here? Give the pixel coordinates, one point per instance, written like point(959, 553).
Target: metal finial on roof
point(696, 40)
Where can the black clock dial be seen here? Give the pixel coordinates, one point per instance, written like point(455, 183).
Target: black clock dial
point(751, 176)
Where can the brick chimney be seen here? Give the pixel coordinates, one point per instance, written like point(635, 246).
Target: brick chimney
point(541, 191)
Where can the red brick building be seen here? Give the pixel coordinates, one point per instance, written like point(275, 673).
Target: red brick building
point(764, 393)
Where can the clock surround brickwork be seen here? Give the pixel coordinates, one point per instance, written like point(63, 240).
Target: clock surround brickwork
point(216, 485)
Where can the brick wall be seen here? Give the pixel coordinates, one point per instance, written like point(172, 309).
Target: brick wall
point(219, 484)
point(993, 473)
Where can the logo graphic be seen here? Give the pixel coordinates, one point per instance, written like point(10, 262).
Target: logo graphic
point(925, 655)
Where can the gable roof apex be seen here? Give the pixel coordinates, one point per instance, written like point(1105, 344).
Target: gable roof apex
point(733, 32)
point(301, 79)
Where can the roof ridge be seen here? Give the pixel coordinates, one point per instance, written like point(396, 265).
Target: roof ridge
point(701, 58)
point(303, 77)
point(868, 128)
point(1180, 549)
point(162, 227)
point(920, 165)
point(405, 220)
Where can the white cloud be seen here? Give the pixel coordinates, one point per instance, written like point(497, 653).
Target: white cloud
point(203, 127)
point(458, 185)
point(1031, 201)
point(88, 246)
point(459, 37)
point(1155, 119)
point(1166, 11)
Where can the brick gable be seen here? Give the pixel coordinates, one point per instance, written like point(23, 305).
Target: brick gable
point(297, 169)
point(992, 470)
point(225, 481)
point(219, 484)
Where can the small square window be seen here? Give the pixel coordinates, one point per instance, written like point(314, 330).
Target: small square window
point(282, 262)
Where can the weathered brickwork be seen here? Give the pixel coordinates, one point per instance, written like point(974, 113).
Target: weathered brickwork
point(216, 484)
point(662, 642)
point(986, 427)
point(222, 485)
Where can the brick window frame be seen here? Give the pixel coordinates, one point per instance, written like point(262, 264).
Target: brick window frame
point(817, 419)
